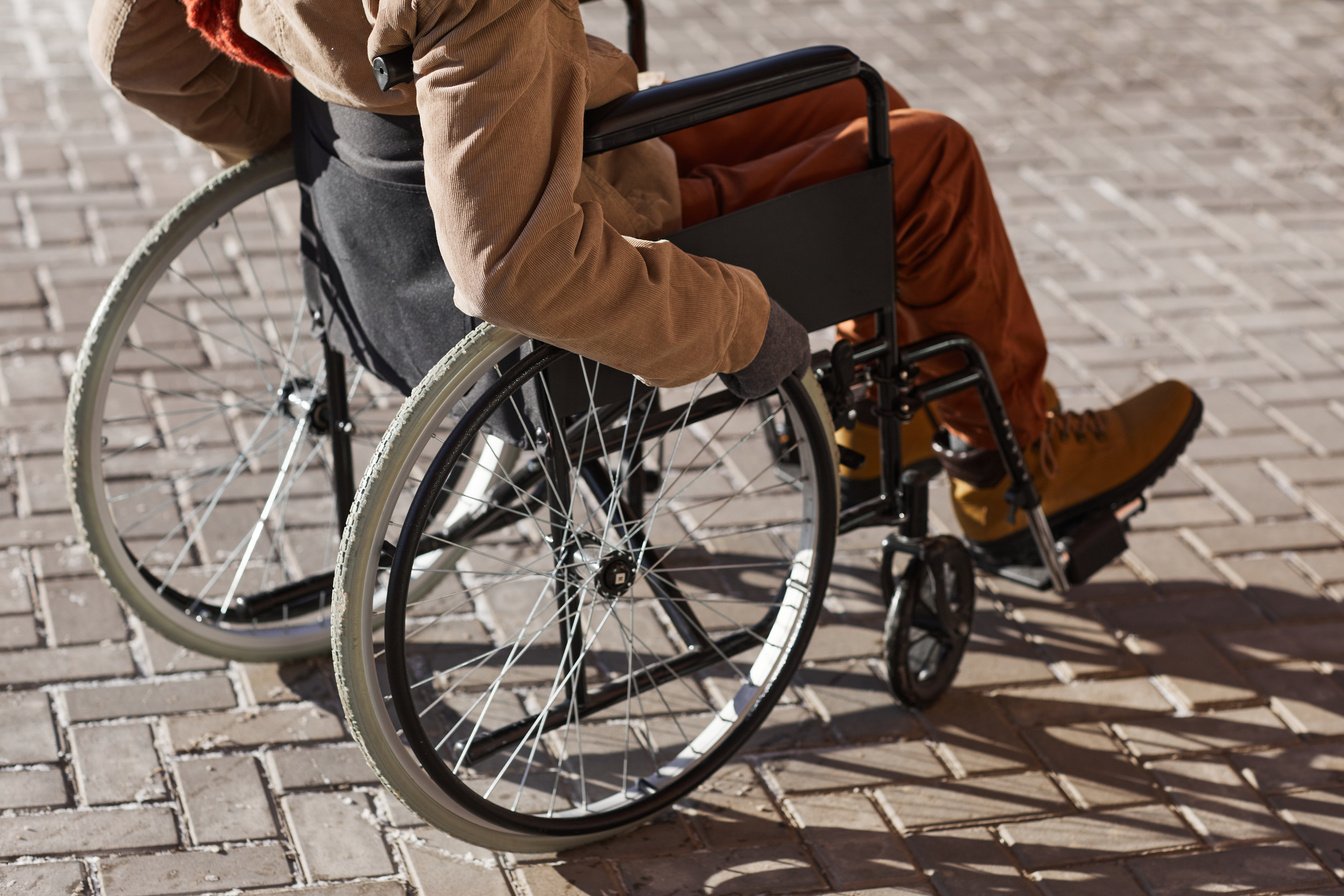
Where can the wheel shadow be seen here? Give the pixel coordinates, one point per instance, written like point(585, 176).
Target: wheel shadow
point(1178, 717)
point(1157, 721)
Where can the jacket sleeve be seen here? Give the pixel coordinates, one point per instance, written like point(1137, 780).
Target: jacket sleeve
point(156, 61)
point(501, 89)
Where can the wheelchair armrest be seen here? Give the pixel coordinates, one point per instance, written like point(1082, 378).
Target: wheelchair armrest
point(682, 104)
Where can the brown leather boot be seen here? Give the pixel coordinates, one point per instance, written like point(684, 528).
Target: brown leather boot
point(858, 484)
point(1083, 463)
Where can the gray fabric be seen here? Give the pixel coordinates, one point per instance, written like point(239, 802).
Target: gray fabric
point(371, 262)
point(784, 350)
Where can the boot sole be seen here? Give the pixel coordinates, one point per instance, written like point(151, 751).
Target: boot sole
point(1019, 549)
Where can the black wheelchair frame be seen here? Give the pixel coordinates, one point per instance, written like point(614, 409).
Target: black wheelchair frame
point(845, 230)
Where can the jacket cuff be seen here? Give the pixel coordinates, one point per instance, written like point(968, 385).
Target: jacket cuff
point(753, 312)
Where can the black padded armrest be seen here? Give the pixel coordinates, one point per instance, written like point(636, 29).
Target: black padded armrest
point(682, 104)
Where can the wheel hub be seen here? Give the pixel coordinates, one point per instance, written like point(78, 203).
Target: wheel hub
point(301, 399)
point(615, 575)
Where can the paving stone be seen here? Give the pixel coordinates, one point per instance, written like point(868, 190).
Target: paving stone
point(86, 831)
point(151, 698)
point(1205, 609)
point(213, 731)
point(975, 800)
point(395, 812)
point(32, 788)
point(165, 657)
point(1245, 869)
point(733, 809)
point(1307, 470)
point(336, 836)
point(31, 531)
point(1228, 729)
point(1096, 836)
point(15, 584)
point(359, 888)
point(1188, 662)
point(88, 662)
point(17, 632)
point(288, 682)
point(1278, 588)
point(225, 799)
point(1071, 637)
point(433, 872)
point(849, 767)
point(31, 378)
point(1217, 801)
point(858, 710)
point(1294, 768)
point(835, 640)
point(1314, 425)
point(1091, 880)
point(668, 834)
point(1167, 558)
point(1092, 765)
point(306, 767)
point(1173, 512)
point(571, 879)
point(792, 726)
point(195, 871)
point(1324, 566)
point(1315, 702)
point(117, 764)
point(28, 734)
point(1000, 654)
point(1287, 536)
point(1314, 816)
point(852, 843)
point(779, 868)
point(1246, 487)
point(914, 887)
point(1082, 701)
point(1262, 644)
point(44, 879)
point(977, 735)
point(82, 611)
point(1228, 410)
point(1327, 500)
point(967, 861)
point(1270, 445)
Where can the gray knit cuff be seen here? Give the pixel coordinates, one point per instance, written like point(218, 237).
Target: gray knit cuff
point(784, 350)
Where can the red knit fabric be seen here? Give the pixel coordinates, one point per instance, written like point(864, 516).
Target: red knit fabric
point(217, 20)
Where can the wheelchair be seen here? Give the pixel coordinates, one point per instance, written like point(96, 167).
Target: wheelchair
point(629, 576)
point(562, 598)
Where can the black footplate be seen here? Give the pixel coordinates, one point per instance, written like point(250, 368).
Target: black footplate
point(1087, 548)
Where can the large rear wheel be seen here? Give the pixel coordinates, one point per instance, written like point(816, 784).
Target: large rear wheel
point(629, 596)
point(212, 438)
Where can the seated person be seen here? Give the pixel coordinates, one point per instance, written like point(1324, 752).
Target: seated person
point(485, 150)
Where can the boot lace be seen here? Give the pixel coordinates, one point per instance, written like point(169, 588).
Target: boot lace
point(1064, 425)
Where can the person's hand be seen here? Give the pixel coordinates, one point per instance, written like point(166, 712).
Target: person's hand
point(784, 350)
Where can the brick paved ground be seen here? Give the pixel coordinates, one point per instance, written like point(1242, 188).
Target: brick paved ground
point(1172, 174)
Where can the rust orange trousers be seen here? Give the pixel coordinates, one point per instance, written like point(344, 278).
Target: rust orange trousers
point(956, 268)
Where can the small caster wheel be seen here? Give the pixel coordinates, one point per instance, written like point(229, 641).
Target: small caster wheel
point(929, 621)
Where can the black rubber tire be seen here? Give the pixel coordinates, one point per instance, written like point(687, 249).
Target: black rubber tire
point(928, 622)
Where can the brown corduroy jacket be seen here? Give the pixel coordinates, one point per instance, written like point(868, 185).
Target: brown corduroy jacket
point(535, 238)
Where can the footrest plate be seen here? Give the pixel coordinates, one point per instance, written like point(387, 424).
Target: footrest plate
point(1088, 547)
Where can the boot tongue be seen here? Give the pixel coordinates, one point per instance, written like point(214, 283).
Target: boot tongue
point(977, 467)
